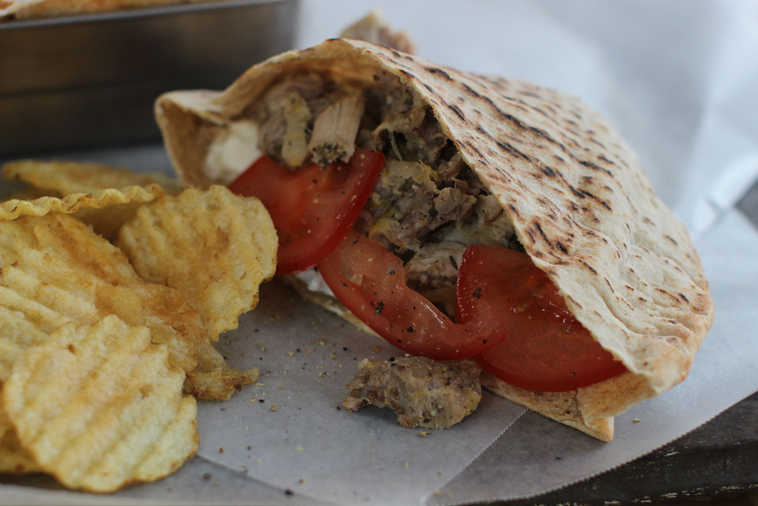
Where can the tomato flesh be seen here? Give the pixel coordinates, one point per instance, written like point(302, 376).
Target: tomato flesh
point(370, 281)
point(312, 207)
point(508, 314)
point(546, 348)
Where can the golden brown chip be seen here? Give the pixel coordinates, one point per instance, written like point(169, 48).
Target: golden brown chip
point(213, 379)
point(212, 245)
point(63, 178)
point(55, 270)
point(99, 407)
point(17, 334)
point(106, 210)
point(13, 458)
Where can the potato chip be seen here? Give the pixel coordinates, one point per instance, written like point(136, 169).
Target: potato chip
point(17, 334)
point(106, 210)
point(213, 379)
point(55, 270)
point(63, 178)
point(99, 407)
point(212, 245)
point(13, 458)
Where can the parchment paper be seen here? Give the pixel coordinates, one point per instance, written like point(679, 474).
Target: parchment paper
point(679, 80)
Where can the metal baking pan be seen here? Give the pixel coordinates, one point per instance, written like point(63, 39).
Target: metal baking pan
point(91, 80)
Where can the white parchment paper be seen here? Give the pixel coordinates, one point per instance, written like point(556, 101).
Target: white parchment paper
point(679, 80)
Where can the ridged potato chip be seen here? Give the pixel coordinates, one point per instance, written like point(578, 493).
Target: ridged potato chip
point(100, 406)
point(215, 246)
point(213, 379)
point(54, 270)
point(63, 178)
point(17, 334)
point(106, 210)
point(13, 458)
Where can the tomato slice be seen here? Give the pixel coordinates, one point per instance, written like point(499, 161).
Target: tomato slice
point(546, 348)
point(508, 312)
point(312, 207)
point(370, 281)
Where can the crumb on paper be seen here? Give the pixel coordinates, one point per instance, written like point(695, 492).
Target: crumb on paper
point(299, 448)
point(221, 450)
point(273, 407)
point(636, 420)
point(421, 391)
point(423, 433)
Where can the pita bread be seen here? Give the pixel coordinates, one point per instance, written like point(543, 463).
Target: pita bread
point(579, 201)
point(24, 9)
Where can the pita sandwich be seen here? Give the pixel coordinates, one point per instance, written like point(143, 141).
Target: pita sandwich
point(475, 159)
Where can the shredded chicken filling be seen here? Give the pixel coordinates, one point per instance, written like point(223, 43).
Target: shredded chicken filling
point(427, 207)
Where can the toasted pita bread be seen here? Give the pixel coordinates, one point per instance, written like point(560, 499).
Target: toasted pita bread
point(46, 8)
point(576, 194)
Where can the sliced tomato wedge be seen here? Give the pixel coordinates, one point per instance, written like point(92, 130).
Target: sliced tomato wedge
point(546, 348)
point(312, 207)
point(508, 313)
point(370, 281)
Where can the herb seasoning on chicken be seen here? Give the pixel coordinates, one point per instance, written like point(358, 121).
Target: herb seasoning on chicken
point(423, 392)
point(427, 206)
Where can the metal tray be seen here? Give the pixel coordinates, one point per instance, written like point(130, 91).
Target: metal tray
point(91, 80)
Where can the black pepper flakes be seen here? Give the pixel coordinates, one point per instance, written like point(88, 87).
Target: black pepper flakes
point(477, 293)
point(410, 329)
point(379, 307)
point(288, 492)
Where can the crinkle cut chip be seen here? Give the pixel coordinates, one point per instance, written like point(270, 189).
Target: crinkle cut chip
point(211, 244)
point(64, 178)
point(55, 270)
point(105, 410)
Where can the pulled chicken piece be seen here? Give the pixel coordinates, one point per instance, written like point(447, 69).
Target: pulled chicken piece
point(422, 392)
point(335, 129)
